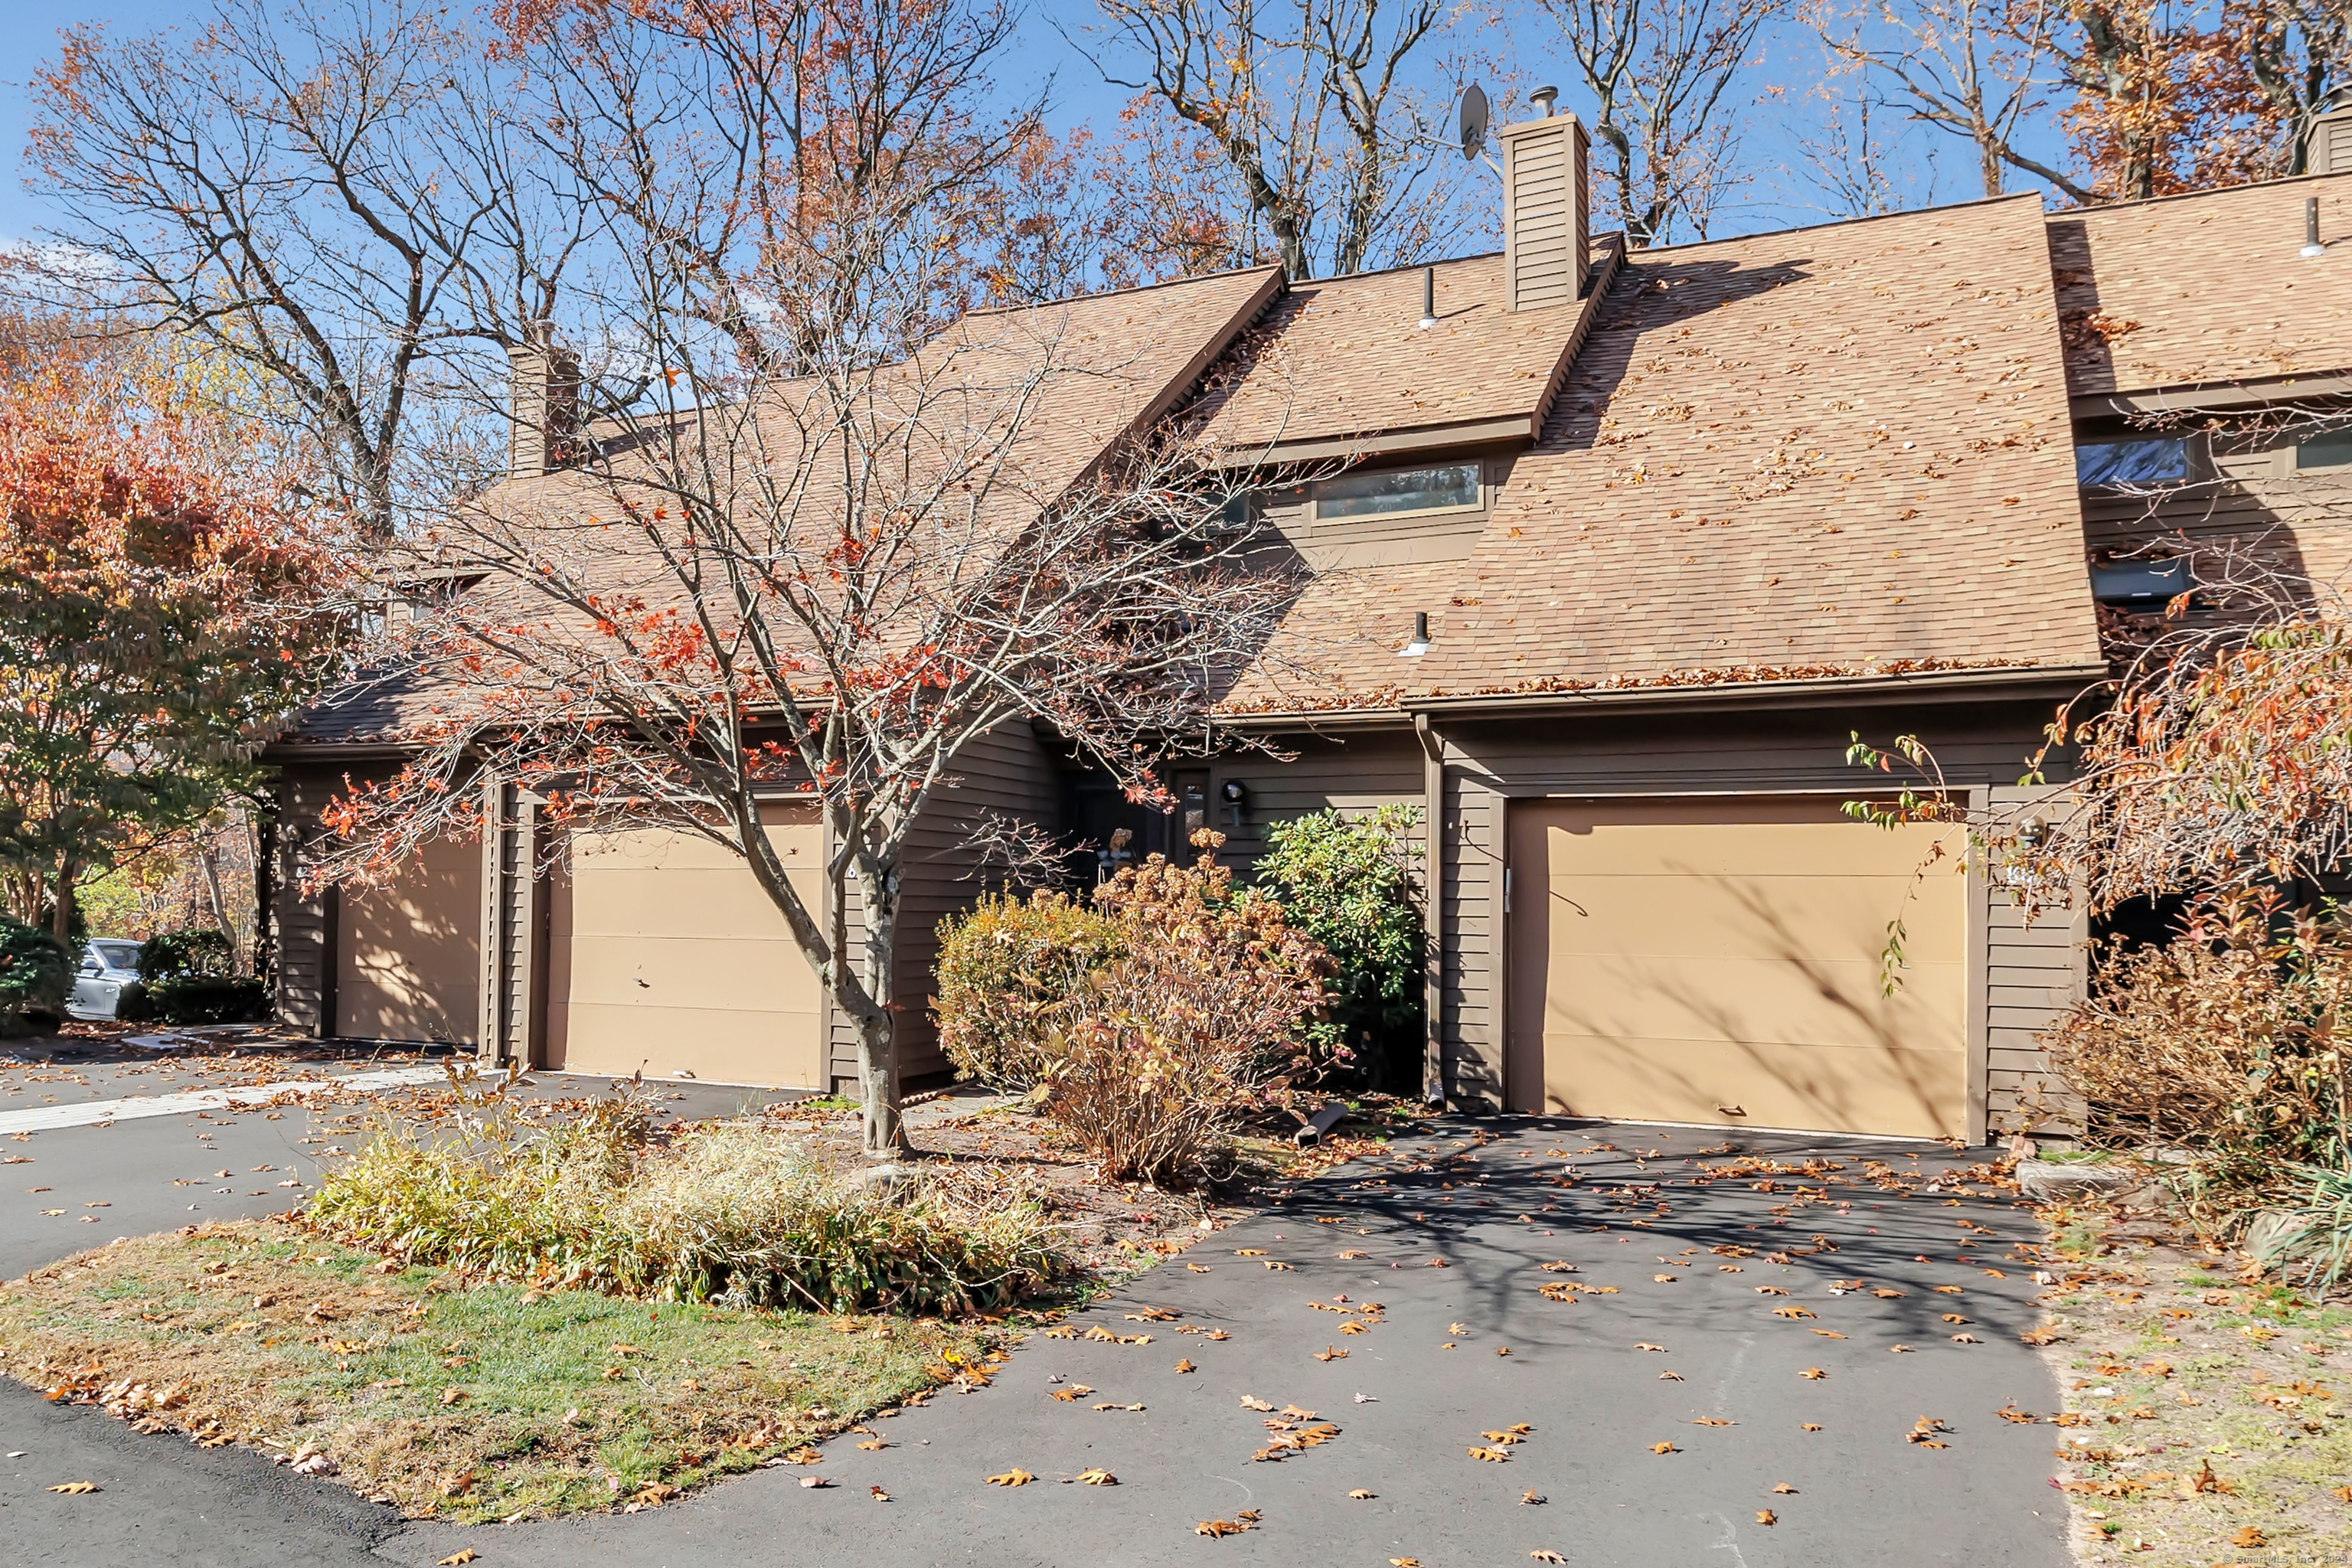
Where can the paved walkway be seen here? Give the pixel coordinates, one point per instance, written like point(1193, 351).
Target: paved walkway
point(1712, 1361)
point(130, 1108)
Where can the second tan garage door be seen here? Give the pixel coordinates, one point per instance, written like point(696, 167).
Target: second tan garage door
point(1717, 960)
point(664, 955)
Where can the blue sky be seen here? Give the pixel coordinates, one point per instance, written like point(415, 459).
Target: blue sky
point(1781, 195)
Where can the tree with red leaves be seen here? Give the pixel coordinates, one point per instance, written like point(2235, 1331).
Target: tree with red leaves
point(814, 546)
point(159, 596)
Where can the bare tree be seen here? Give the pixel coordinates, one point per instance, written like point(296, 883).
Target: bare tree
point(794, 563)
point(1658, 73)
point(1974, 68)
point(328, 198)
point(1851, 160)
point(1316, 111)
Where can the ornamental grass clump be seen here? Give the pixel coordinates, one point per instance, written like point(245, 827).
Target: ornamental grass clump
point(731, 1213)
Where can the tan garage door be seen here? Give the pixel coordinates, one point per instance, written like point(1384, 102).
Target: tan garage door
point(1717, 960)
point(408, 954)
point(664, 954)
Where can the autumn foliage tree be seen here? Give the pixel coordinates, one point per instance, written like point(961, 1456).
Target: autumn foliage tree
point(819, 543)
point(158, 613)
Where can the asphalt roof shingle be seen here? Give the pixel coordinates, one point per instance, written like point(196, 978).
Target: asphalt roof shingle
point(1823, 452)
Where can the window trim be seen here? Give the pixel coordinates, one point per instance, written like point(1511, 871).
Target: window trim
point(1314, 498)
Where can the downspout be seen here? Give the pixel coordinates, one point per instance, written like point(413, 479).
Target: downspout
point(1432, 919)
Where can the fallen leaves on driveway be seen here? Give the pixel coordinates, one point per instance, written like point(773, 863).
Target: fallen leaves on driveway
point(1016, 1477)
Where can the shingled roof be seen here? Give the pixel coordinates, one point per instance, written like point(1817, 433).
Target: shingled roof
point(2194, 289)
point(1839, 451)
point(1101, 364)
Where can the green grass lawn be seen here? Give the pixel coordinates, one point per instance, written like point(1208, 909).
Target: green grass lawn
point(464, 1399)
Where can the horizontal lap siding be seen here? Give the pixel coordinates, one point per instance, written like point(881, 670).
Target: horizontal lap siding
point(305, 921)
point(2034, 971)
point(1004, 773)
point(1355, 775)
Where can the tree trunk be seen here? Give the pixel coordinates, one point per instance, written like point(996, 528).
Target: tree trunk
point(220, 909)
point(62, 912)
point(877, 1032)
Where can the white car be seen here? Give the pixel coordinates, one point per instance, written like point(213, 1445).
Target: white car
point(108, 965)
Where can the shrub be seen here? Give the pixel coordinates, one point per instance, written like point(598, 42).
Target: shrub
point(35, 977)
point(2225, 1042)
point(1152, 1062)
point(1352, 884)
point(174, 953)
point(188, 977)
point(732, 1212)
point(1003, 966)
point(194, 999)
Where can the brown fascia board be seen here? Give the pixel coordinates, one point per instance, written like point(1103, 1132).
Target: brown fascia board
point(1937, 685)
point(2216, 396)
point(1516, 428)
point(1930, 685)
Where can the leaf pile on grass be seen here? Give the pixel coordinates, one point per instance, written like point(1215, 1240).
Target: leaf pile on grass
point(733, 1213)
point(467, 1399)
point(2197, 1407)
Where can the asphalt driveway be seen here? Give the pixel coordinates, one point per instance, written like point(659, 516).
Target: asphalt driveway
point(1726, 1388)
point(1420, 1383)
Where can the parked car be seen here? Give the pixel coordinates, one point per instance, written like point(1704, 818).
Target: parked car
point(108, 965)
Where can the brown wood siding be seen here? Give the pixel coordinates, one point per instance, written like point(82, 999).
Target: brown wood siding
point(1325, 543)
point(1354, 774)
point(1005, 772)
point(305, 921)
point(2254, 505)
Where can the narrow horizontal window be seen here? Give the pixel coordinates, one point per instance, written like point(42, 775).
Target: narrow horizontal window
point(2162, 461)
point(1449, 488)
point(2332, 450)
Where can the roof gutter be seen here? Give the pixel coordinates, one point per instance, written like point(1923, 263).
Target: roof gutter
point(1929, 686)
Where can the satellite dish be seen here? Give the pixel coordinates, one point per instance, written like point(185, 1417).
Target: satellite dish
point(1474, 121)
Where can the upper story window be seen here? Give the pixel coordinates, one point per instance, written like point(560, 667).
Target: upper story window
point(2331, 450)
point(1397, 491)
point(2154, 460)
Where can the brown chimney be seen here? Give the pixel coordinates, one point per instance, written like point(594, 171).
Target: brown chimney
point(1547, 209)
point(2328, 145)
point(543, 393)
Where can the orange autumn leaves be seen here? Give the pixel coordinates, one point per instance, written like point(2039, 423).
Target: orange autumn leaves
point(160, 587)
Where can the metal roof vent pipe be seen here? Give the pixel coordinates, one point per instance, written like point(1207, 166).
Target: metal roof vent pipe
point(1429, 294)
point(1420, 643)
point(2310, 246)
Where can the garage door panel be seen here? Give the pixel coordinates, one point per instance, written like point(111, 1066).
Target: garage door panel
point(687, 971)
point(726, 1046)
point(1621, 844)
point(666, 955)
point(408, 953)
point(1814, 1002)
point(1899, 1093)
point(1684, 955)
point(1761, 916)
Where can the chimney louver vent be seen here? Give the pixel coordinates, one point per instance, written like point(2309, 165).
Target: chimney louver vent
point(2327, 148)
point(1546, 211)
